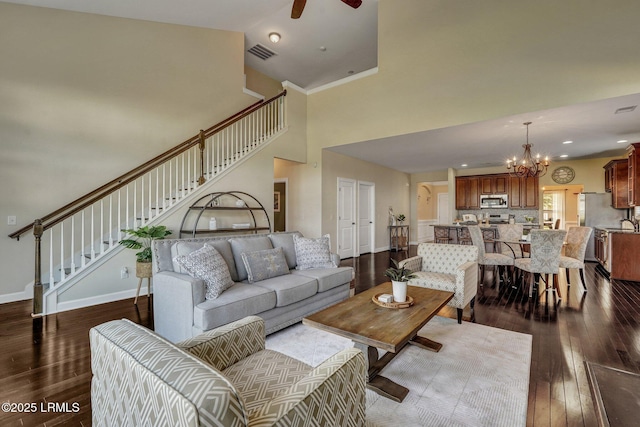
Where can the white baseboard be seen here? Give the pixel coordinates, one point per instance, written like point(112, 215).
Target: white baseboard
point(18, 296)
point(99, 299)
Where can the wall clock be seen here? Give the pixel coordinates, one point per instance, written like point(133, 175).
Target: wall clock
point(563, 175)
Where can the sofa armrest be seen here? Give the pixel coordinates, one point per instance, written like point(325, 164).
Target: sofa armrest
point(314, 396)
point(413, 263)
point(228, 344)
point(174, 298)
point(335, 258)
point(467, 280)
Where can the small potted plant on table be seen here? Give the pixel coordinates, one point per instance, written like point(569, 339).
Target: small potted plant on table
point(141, 239)
point(399, 277)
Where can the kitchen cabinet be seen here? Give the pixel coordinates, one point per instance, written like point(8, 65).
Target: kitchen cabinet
point(616, 182)
point(633, 152)
point(467, 192)
point(494, 184)
point(601, 251)
point(523, 192)
point(625, 258)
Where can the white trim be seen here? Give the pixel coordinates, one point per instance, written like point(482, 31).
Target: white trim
point(286, 200)
point(382, 249)
point(366, 73)
point(99, 299)
point(346, 80)
point(252, 93)
point(18, 296)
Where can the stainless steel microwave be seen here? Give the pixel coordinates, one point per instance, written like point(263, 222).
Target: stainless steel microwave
point(494, 201)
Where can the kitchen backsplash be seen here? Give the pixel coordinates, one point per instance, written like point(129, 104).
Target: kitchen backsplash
point(519, 214)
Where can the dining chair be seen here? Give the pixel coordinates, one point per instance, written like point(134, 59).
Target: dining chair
point(546, 246)
point(496, 260)
point(513, 233)
point(557, 225)
point(574, 250)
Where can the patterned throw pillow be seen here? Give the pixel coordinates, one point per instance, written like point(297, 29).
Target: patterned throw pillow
point(313, 253)
point(265, 264)
point(207, 264)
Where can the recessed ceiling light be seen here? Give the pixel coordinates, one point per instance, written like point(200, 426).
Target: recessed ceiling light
point(564, 155)
point(274, 37)
point(622, 141)
point(568, 142)
point(464, 165)
point(625, 109)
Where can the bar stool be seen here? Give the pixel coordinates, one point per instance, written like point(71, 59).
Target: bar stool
point(441, 234)
point(489, 235)
point(464, 238)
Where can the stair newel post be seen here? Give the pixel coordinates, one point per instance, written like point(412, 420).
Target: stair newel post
point(38, 231)
point(201, 180)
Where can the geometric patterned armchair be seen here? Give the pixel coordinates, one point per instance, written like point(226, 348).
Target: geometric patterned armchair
point(577, 239)
point(446, 267)
point(224, 377)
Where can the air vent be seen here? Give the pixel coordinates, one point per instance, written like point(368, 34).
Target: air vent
point(261, 52)
point(625, 109)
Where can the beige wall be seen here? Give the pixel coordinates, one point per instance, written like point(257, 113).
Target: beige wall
point(427, 199)
point(391, 189)
point(84, 98)
point(261, 83)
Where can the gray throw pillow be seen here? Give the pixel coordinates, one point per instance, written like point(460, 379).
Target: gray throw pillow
point(265, 264)
point(313, 253)
point(207, 264)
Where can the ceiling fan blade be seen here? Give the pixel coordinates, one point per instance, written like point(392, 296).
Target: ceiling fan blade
point(298, 7)
point(353, 3)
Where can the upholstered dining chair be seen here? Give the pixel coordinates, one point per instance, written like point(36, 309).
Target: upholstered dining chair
point(484, 259)
point(576, 245)
point(510, 232)
point(546, 246)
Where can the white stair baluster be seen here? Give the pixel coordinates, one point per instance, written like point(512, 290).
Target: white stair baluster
point(73, 244)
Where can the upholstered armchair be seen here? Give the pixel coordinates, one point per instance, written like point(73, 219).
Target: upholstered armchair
point(223, 377)
point(446, 267)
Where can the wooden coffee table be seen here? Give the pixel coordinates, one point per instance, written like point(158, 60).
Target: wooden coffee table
point(373, 327)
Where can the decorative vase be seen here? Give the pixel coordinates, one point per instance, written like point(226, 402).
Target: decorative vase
point(143, 269)
point(399, 291)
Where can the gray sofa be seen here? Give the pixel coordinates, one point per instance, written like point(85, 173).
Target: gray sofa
point(181, 310)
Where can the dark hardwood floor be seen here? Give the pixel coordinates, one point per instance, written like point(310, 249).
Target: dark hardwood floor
point(48, 360)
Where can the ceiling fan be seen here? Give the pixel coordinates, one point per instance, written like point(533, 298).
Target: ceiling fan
point(298, 6)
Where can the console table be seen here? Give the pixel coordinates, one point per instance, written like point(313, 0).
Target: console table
point(398, 238)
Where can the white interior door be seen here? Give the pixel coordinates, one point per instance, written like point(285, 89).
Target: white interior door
point(443, 208)
point(366, 192)
point(346, 218)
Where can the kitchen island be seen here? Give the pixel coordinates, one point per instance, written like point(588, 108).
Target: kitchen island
point(489, 231)
point(617, 252)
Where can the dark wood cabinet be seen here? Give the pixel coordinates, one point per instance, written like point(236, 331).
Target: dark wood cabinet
point(633, 176)
point(494, 184)
point(523, 192)
point(625, 258)
point(616, 181)
point(468, 192)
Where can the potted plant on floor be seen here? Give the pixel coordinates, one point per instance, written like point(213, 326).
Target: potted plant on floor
point(399, 277)
point(141, 238)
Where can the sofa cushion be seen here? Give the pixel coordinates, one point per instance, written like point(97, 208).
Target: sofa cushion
point(239, 301)
point(265, 264)
point(222, 246)
point(290, 288)
point(264, 375)
point(285, 241)
point(207, 264)
point(313, 253)
point(440, 281)
point(249, 244)
point(328, 278)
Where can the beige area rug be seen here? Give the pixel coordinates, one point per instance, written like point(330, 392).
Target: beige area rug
point(479, 378)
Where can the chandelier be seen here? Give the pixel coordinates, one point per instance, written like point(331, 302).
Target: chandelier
point(528, 165)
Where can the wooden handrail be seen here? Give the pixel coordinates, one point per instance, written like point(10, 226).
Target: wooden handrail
point(88, 199)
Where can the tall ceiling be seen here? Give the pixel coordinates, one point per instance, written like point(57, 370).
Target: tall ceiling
point(332, 41)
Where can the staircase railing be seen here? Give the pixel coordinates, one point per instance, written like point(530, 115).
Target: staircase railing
point(77, 235)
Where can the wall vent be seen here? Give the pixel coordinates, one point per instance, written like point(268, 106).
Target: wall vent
point(261, 52)
point(625, 109)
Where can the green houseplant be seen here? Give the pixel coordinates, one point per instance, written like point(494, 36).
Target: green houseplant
point(141, 238)
point(399, 277)
point(401, 218)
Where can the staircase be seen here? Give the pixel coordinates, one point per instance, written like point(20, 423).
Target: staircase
point(73, 240)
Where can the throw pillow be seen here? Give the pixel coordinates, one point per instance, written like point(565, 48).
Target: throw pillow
point(313, 253)
point(265, 264)
point(207, 264)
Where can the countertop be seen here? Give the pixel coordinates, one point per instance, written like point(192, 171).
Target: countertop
point(464, 224)
point(618, 230)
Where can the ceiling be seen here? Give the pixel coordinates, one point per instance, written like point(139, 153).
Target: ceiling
point(332, 41)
